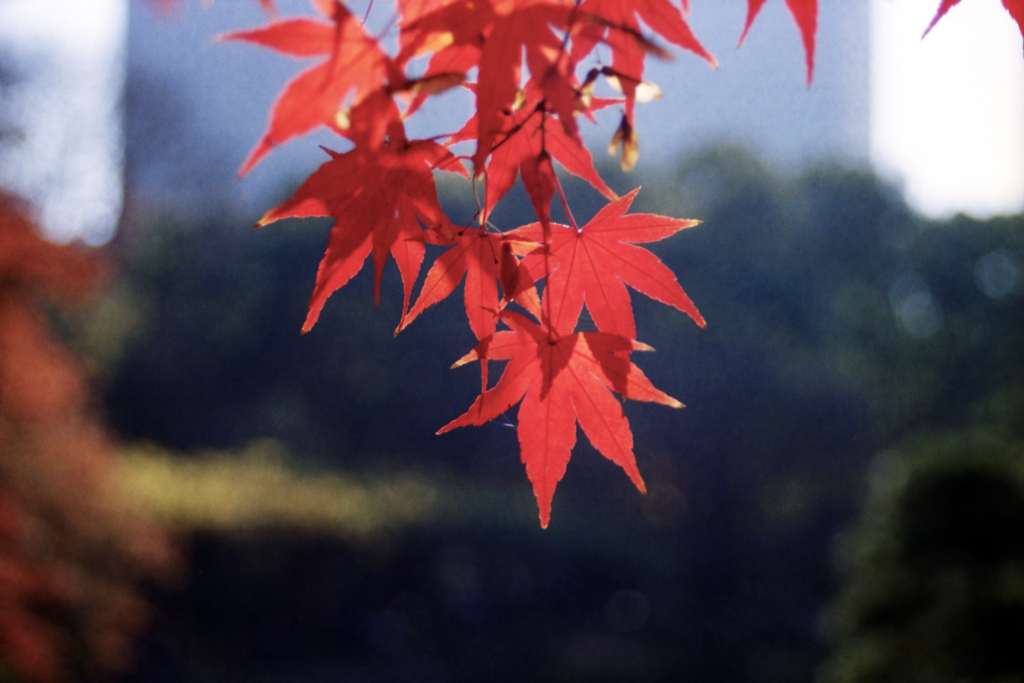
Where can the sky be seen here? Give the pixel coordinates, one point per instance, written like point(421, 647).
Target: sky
point(946, 114)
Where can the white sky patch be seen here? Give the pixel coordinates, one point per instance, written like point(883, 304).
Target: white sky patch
point(64, 148)
point(947, 112)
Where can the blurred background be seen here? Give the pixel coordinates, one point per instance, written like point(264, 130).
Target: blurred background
point(223, 499)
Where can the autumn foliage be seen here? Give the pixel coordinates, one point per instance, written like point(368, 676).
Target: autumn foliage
point(534, 69)
point(72, 553)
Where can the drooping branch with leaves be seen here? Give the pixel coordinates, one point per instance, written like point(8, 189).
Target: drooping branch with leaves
point(533, 68)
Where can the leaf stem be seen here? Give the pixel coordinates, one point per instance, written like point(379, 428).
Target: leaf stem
point(546, 226)
point(565, 204)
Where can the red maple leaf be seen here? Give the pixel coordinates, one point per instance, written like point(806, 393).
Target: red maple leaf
point(1016, 10)
point(805, 12)
point(526, 30)
point(379, 196)
point(594, 264)
point(528, 137)
point(355, 67)
point(493, 36)
point(1014, 7)
point(452, 32)
point(562, 380)
point(484, 259)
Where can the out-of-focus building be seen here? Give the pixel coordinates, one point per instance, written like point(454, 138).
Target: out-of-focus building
point(62, 73)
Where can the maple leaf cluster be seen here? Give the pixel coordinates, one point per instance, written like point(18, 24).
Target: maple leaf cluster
point(532, 67)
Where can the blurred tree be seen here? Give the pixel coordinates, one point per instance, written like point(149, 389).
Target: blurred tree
point(935, 577)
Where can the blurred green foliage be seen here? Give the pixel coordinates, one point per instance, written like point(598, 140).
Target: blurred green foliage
point(255, 488)
point(935, 587)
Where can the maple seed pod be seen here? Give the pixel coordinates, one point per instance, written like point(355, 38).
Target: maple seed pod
point(615, 80)
point(435, 85)
point(519, 101)
point(647, 92)
point(626, 137)
point(651, 47)
point(642, 91)
point(585, 93)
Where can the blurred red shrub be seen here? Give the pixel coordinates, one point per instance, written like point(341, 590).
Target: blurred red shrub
point(73, 554)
